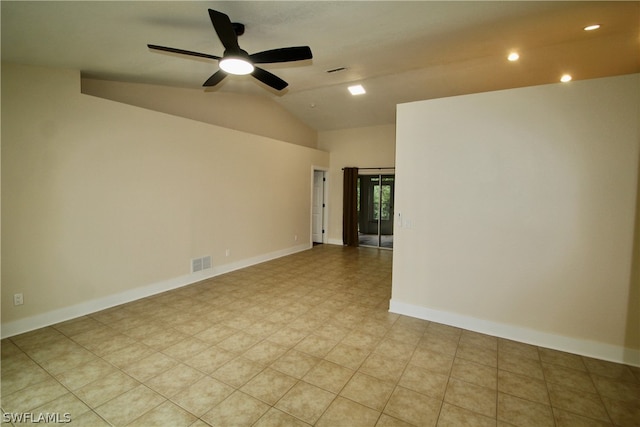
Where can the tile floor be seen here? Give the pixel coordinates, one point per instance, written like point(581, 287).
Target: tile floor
point(302, 340)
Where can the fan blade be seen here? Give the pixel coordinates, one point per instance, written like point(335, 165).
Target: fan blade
point(269, 79)
point(182, 51)
point(215, 78)
point(285, 54)
point(224, 29)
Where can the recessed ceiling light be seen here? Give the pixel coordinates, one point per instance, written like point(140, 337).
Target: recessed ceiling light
point(565, 78)
point(513, 56)
point(357, 90)
point(591, 27)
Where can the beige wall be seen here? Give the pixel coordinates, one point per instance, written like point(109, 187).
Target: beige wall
point(632, 339)
point(518, 213)
point(247, 113)
point(102, 201)
point(362, 147)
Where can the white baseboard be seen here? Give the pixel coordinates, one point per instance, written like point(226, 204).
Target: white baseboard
point(582, 347)
point(335, 242)
point(31, 323)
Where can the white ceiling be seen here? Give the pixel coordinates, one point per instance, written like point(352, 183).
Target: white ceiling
point(399, 51)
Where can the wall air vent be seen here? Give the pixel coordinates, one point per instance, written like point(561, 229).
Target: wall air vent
point(206, 262)
point(199, 264)
point(335, 70)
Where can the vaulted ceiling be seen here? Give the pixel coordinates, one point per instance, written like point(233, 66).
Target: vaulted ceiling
point(399, 51)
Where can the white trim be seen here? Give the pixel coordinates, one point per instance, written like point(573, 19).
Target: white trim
point(325, 215)
point(582, 347)
point(27, 324)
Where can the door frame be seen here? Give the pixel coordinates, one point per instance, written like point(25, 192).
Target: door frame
point(325, 198)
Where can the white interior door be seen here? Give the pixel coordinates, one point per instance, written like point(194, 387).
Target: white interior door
point(317, 209)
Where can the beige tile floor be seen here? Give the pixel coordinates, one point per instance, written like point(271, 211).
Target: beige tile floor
point(302, 340)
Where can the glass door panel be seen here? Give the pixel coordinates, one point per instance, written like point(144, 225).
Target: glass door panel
point(375, 210)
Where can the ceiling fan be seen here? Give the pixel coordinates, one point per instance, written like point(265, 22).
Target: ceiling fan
point(238, 61)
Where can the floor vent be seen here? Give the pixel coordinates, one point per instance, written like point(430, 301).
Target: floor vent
point(199, 264)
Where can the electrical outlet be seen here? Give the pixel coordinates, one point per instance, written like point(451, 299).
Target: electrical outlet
point(227, 252)
point(18, 299)
point(295, 237)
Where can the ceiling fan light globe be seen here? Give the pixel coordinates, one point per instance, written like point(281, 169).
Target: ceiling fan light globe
point(236, 66)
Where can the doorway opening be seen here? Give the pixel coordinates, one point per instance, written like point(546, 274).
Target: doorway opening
point(375, 210)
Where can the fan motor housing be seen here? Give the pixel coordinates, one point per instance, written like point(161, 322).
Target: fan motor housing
point(238, 28)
